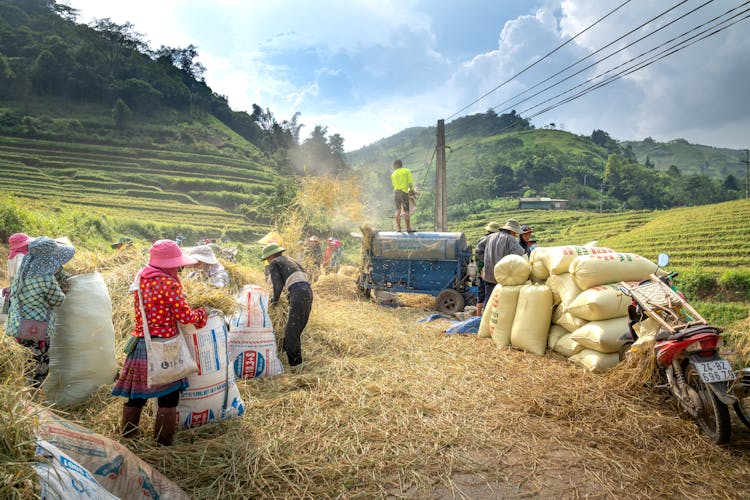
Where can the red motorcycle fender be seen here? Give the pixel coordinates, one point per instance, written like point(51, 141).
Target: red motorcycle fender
point(718, 388)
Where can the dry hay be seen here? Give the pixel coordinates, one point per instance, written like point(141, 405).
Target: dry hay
point(87, 261)
point(199, 293)
point(348, 271)
point(240, 276)
point(333, 287)
point(417, 300)
point(385, 406)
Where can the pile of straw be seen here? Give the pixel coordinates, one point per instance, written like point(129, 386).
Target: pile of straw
point(334, 287)
point(386, 406)
point(199, 293)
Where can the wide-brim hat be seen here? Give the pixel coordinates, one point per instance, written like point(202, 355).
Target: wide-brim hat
point(526, 229)
point(512, 225)
point(492, 227)
point(271, 249)
point(17, 243)
point(46, 256)
point(166, 254)
point(201, 253)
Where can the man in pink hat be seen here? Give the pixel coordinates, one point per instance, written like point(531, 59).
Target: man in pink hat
point(164, 306)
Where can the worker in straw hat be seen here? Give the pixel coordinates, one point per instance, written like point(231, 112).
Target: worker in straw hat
point(497, 246)
point(208, 266)
point(287, 274)
point(524, 238)
point(491, 227)
point(159, 288)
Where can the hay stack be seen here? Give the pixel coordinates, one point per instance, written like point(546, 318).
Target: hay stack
point(334, 287)
point(201, 294)
point(348, 271)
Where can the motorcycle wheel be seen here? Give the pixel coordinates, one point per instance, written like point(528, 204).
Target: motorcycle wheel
point(713, 418)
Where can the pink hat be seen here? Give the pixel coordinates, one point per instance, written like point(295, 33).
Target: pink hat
point(18, 244)
point(166, 254)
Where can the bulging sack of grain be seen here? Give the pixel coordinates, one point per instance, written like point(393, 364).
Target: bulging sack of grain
point(568, 321)
point(600, 302)
point(564, 289)
point(603, 336)
point(594, 270)
point(512, 270)
point(113, 465)
point(501, 322)
point(555, 333)
point(558, 259)
point(539, 272)
point(531, 323)
point(567, 346)
point(595, 361)
point(82, 351)
point(252, 343)
point(213, 393)
point(489, 306)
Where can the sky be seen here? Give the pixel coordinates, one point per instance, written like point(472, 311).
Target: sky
point(367, 69)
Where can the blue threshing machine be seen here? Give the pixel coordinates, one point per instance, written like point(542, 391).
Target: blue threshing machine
point(437, 264)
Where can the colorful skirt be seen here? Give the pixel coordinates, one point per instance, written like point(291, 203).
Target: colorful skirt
point(133, 380)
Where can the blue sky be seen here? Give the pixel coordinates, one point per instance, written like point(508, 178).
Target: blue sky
point(367, 69)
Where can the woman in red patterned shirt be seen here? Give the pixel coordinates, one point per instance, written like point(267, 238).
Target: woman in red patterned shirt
point(164, 305)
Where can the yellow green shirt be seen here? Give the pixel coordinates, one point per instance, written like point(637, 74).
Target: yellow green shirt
point(401, 179)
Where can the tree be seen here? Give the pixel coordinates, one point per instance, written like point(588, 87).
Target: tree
point(121, 114)
point(730, 183)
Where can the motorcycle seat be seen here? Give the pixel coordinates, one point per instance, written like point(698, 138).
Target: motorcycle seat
point(688, 332)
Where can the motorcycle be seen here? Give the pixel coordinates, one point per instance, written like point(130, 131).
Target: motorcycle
point(687, 352)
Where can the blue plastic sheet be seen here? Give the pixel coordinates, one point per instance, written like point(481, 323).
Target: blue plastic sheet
point(433, 317)
point(470, 325)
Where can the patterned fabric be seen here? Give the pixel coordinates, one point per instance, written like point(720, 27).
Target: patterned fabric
point(45, 256)
point(33, 297)
point(132, 382)
point(35, 374)
point(165, 306)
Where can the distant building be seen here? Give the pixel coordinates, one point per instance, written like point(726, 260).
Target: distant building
point(542, 203)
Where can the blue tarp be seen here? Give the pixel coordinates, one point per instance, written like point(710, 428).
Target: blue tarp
point(433, 317)
point(470, 325)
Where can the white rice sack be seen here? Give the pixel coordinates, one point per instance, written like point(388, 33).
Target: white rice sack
point(504, 313)
point(252, 343)
point(568, 321)
point(489, 305)
point(564, 289)
point(82, 351)
point(558, 259)
point(594, 270)
point(567, 346)
point(113, 465)
point(213, 393)
point(62, 477)
point(512, 270)
point(555, 333)
point(600, 302)
point(539, 272)
point(595, 361)
point(531, 323)
point(603, 336)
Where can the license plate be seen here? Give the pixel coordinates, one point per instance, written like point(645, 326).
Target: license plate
point(717, 370)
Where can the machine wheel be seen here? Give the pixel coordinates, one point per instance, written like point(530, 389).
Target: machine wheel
point(624, 351)
point(449, 301)
point(713, 418)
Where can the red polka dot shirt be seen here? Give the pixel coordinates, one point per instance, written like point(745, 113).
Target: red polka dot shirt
point(165, 306)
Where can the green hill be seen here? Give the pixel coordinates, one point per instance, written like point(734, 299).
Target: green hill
point(690, 158)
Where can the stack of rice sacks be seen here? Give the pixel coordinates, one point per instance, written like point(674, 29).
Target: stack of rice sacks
point(574, 288)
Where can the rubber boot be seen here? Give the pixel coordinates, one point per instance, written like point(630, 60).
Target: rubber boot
point(479, 308)
point(131, 417)
point(165, 425)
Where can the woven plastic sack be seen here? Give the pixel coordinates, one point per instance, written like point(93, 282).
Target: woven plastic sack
point(62, 477)
point(120, 471)
point(567, 346)
point(512, 270)
point(212, 394)
point(564, 289)
point(539, 272)
point(253, 351)
point(489, 304)
point(594, 270)
point(82, 351)
point(556, 332)
point(595, 361)
point(504, 313)
point(568, 321)
point(603, 336)
point(531, 323)
point(557, 259)
point(600, 302)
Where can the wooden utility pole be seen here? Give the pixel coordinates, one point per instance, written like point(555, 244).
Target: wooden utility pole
point(747, 173)
point(441, 200)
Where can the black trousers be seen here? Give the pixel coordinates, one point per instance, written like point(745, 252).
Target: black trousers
point(170, 400)
point(300, 303)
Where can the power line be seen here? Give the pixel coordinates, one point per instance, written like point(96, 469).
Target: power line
point(602, 59)
point(542, 58)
